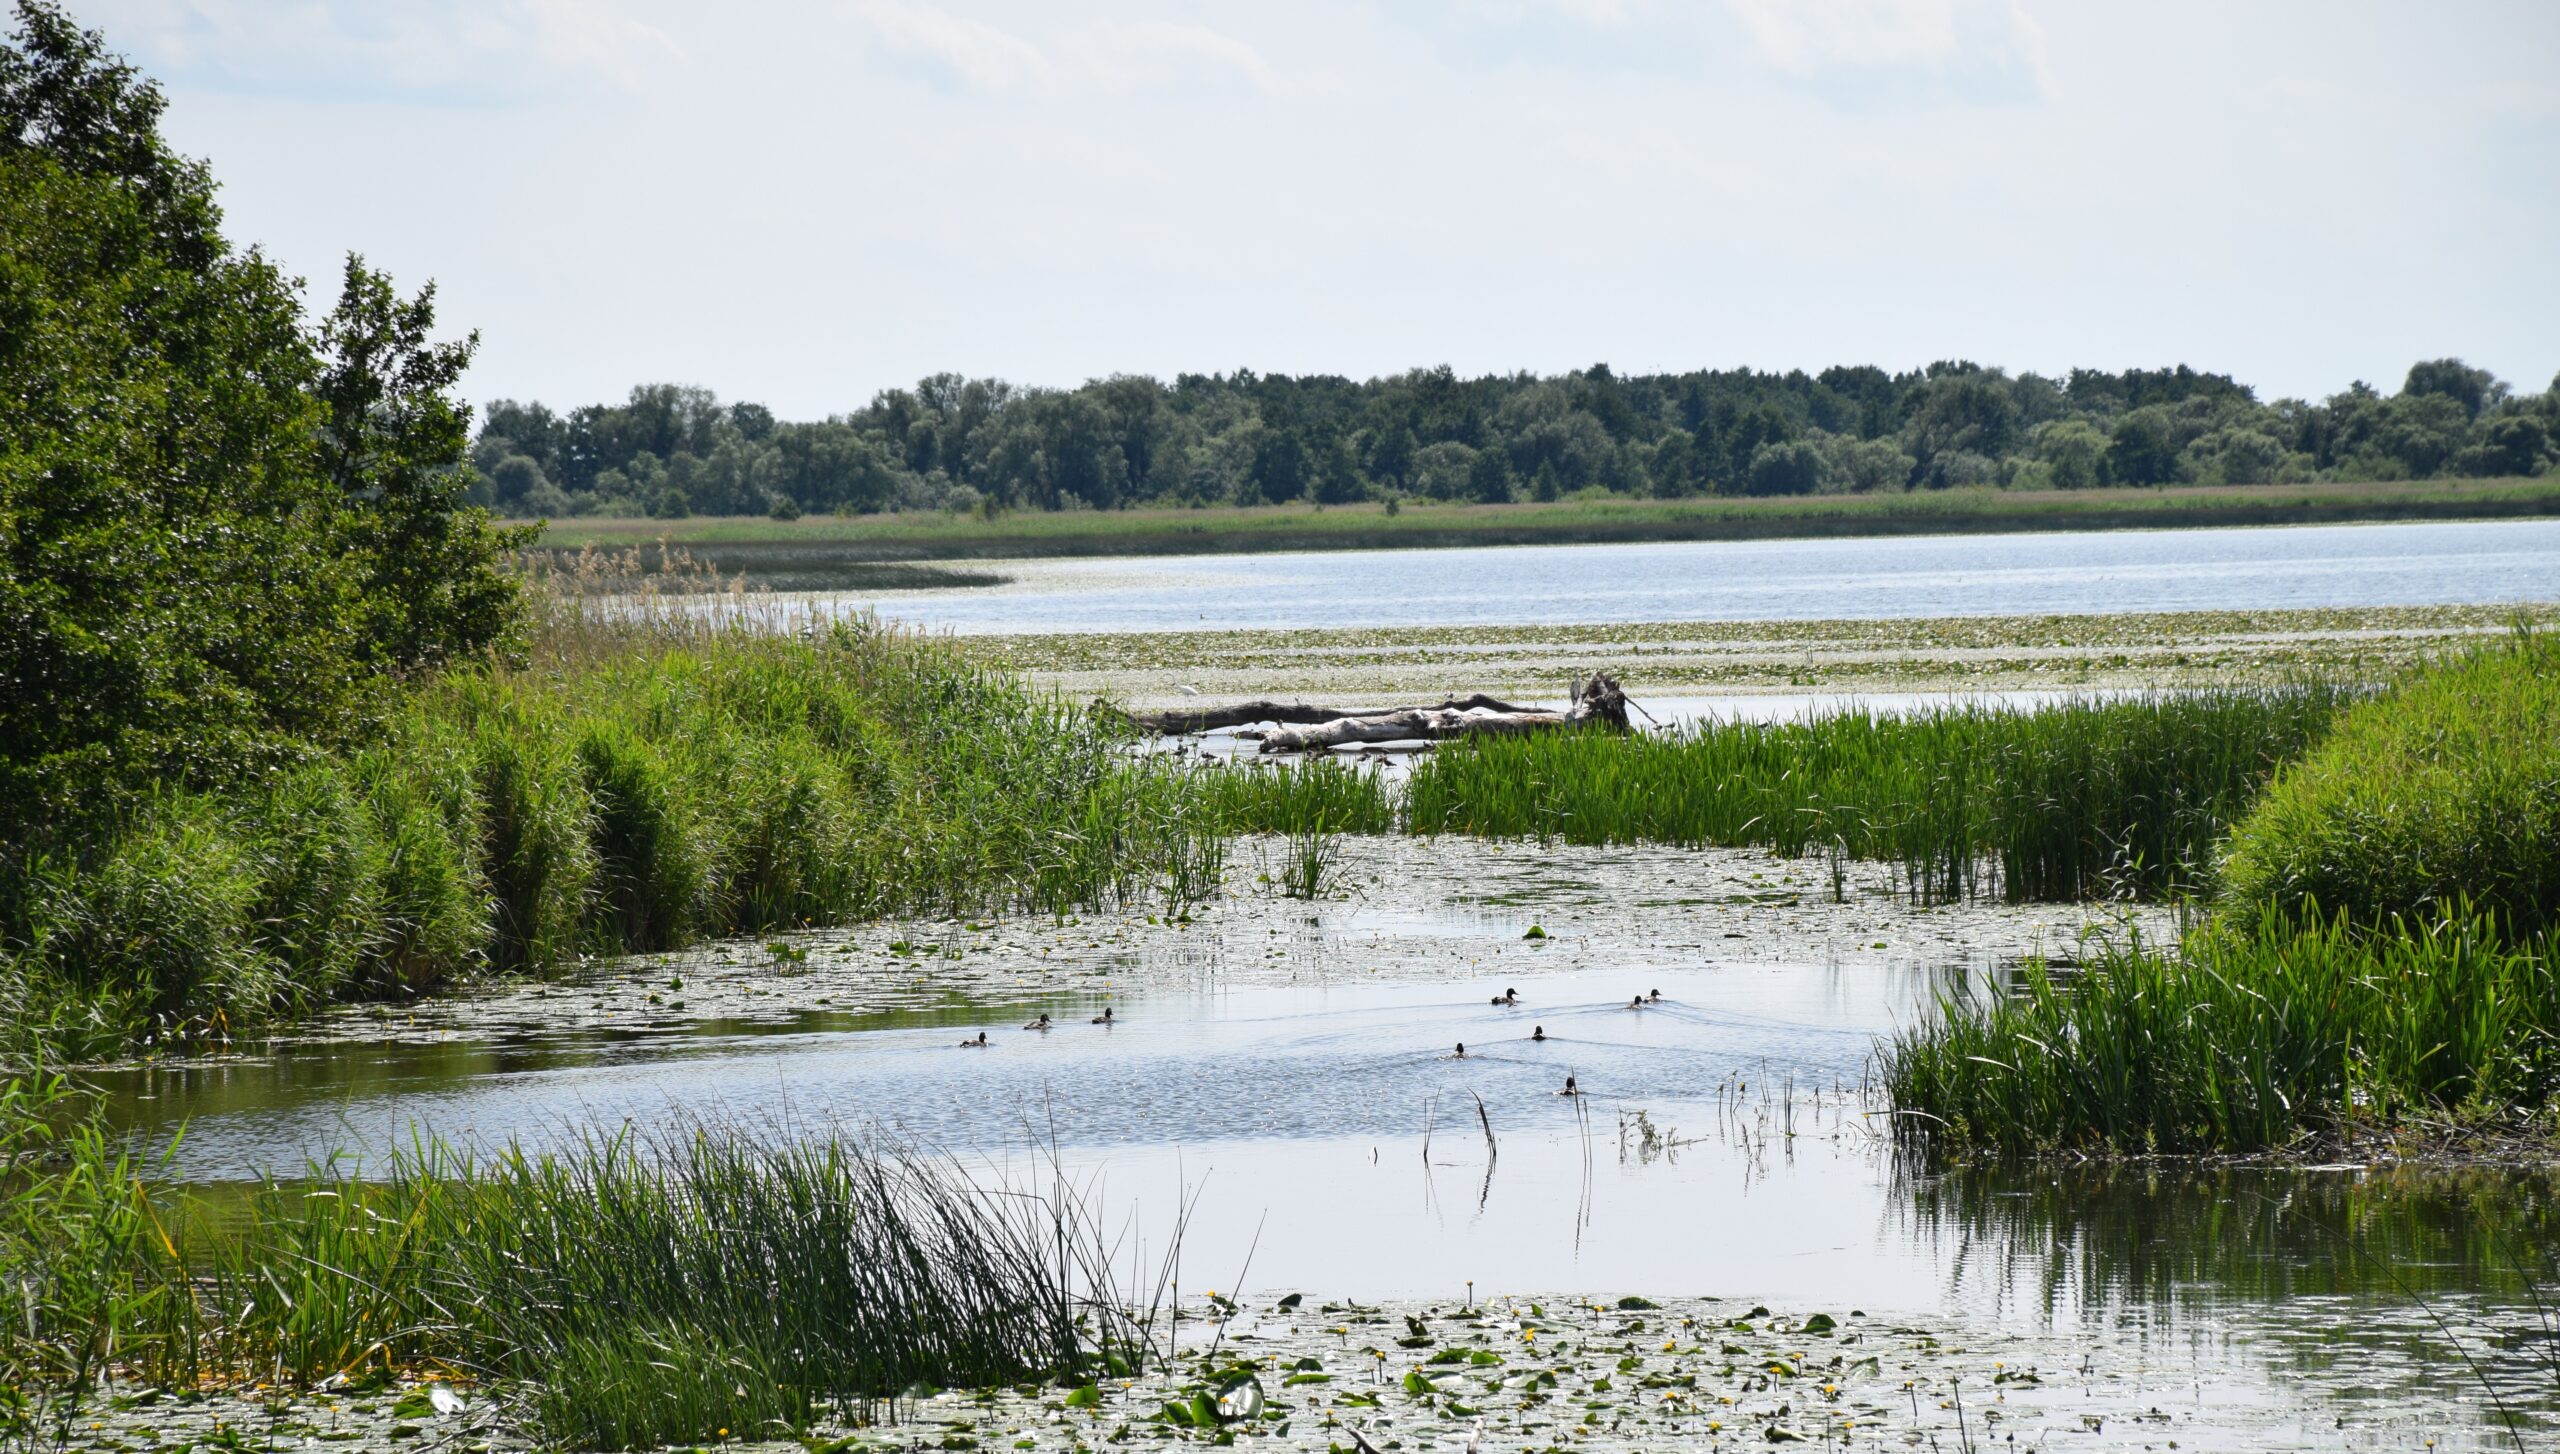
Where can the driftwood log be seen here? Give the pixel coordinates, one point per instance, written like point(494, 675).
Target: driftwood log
point(1180, 721)
point(1596, 701)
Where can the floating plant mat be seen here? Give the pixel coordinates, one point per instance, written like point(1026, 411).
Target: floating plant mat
point(1617, 1372)
point(1662, 661)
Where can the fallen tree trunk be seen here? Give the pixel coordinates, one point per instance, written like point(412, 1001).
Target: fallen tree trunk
point(1599, 701)
point(1182, 721)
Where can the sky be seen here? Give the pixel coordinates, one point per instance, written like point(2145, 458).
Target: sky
point(803, 202)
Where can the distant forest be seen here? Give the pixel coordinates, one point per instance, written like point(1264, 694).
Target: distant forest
point(954, 443)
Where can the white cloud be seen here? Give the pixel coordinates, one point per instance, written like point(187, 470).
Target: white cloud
point(1805, 37)
point(410, 49)
point(1157, 49)
point(975, 53)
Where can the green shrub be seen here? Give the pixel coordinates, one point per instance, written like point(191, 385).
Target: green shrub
point(2447, 788)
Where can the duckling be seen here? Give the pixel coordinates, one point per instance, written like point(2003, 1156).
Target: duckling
point(1538, 1032)
point(1105, 1017)
point(1636, 1004)
point(1507, 997)
point(1040, 1024)
point(978, 1044)
point(1570, 1089)
point(1462, 1051)
point(1655, 998)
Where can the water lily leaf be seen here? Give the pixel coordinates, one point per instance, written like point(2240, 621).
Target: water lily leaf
point(1637, 1305)
point(1087, 1397)
point(1818, 1324)
point(1295, 1379)
point(1239, 1399)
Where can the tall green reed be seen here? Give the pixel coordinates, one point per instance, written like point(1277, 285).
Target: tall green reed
point(2112, 797)
point(2248, 1038)
point(627, 1293)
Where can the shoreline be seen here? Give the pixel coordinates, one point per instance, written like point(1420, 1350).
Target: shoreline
point(756, 544)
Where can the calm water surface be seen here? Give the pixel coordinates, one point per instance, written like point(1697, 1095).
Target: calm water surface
point(1909, 576)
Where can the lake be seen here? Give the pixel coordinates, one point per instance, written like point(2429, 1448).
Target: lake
point(2274, 567)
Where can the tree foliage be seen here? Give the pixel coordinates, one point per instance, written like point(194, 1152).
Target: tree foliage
point(216, 529)
point(1254, 439)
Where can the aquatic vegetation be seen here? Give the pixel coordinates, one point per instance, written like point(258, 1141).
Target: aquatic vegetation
point(2251, 1037)
point(2087, 799)
point(2446, 788)
point(644, 783)
point(623, 1291)
point(1258, 797)
point(1309, 862)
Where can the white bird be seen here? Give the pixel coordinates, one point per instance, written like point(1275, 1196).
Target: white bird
point(1186, 691)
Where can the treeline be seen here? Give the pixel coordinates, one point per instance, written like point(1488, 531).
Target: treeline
point(1251, 439)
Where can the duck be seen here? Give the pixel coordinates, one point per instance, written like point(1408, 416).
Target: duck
point(1538, 1032)
point(1462, 1051)
point(1507, 997)
point(1040, 1024)
point(1105, 1017)
point(978, 1044)
point(1570, 1089)
point(1655, 998)
point(1636, 1004)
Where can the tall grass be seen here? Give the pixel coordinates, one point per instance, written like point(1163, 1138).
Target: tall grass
point(1254, 797)
point(627, 1295)
point(657, 773)
point(2253, 1037)
point(2088, 798)
point(2446, 788)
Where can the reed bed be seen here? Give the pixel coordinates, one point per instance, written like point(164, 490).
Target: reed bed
point(2252, 1037)
point(2092, 798)
point(1253, 797)
point(623, 1294)
point(2446, 788)
point(664, 768)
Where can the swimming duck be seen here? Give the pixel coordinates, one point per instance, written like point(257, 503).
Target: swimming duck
point(978, 1044)
point(1570, 1089)
point(1636, 1004)
point(1462, 1051)
point(1105, 1017)
point(1538, 1032)
point(1507, 997)
point(1654, 998)
point(1040, 1024)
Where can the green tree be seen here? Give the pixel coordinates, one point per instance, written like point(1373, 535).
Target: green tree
point(174, 597)
point(392, 438)
point(2141, 450)
point(2451, 378)
point(2511, 445)
point(1794, 467)
point(2074, 453)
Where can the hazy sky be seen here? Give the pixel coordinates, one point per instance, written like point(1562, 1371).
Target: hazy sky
point(803, 201)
